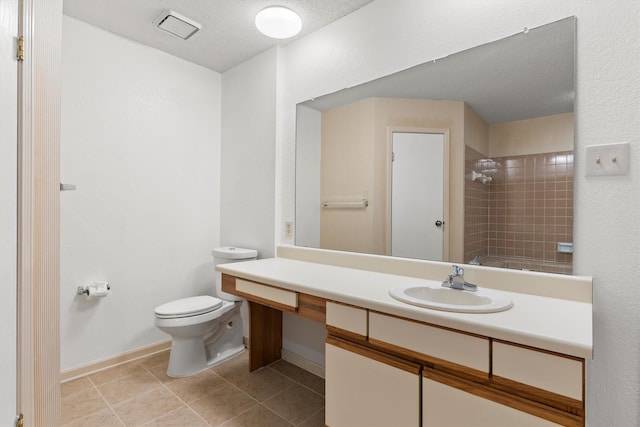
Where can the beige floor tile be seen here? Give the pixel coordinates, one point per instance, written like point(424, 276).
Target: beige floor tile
point(147, 406)
point(104, 418)
point(258, 416)
point(125, 388)
point(75, 386)
point(182, 417)
point(295, 404)
point(81, 404)
point(238, 362)
point(160, 372)
point(222, 404)
point(194, 387)
point(161, 358)
point(261, 384)
point(297, 374)
point(112, 374)
point(315, 420)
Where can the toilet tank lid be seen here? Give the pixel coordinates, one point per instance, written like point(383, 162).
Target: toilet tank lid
point(231, 252)
point(191, 306)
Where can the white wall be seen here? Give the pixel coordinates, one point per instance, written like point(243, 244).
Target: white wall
point(248, 153)
point(141, 140)
point(390, 35)
point(308, 140)
point(8, 207)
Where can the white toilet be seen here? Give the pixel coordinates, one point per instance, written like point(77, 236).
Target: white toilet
point(205, 330)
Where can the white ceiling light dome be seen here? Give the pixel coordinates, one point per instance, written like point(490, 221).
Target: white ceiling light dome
point(278, 22)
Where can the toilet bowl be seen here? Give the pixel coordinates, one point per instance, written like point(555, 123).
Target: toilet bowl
point(205, 330)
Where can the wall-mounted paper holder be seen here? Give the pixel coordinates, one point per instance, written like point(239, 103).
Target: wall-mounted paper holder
point(67, 187)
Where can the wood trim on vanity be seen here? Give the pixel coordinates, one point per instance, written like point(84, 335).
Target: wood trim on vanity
point(506, 398)
point(351, 336)
point(387, 359)
point(312, 307)
point(554, 400)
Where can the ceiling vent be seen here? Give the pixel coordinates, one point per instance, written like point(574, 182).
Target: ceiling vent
point(176, 24)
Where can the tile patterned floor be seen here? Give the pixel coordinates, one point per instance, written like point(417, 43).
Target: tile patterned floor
point(140, 393)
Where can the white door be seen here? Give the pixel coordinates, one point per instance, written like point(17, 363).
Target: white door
point(417, 194)
point(8, 206)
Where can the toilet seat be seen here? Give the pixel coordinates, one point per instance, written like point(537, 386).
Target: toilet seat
point(188, 307)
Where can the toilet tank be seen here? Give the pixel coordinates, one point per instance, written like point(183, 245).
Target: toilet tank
point(229, 254)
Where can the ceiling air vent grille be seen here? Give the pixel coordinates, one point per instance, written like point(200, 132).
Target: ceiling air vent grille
point(176, 24)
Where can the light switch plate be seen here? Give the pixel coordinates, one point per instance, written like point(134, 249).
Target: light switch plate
point(608, 159)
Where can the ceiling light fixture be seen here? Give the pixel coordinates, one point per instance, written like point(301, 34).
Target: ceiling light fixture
point(278, 22)
point(176, 24)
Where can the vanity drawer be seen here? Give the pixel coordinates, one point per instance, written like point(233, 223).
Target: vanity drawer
point(279, 298)
point(446, 345)
point(554, 373)
point(347, 318)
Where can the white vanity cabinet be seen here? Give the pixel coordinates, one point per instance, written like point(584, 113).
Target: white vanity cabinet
point(379, 365)
point(388, 370)
point(364, 387)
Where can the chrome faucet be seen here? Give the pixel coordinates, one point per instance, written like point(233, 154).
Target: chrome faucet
point(456, 281)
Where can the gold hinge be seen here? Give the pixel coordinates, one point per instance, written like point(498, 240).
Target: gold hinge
point(20, 421)
point(20, 54)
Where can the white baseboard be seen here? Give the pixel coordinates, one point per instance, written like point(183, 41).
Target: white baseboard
point(301, 362)
point(110, 362)
point(101, 365)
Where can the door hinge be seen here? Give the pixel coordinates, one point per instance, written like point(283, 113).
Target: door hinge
point(20, 53)
point(393, 156)
point(20, 421)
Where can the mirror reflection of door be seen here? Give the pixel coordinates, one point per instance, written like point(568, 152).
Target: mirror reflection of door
point(417, 207)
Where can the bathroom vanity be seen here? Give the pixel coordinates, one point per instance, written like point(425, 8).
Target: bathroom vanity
point(392, 363)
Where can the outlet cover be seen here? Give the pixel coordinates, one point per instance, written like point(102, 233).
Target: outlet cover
point(608, 159)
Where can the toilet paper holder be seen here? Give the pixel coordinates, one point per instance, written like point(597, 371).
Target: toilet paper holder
point(84, 290)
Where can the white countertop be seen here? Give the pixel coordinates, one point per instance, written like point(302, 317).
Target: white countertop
point(553, 324)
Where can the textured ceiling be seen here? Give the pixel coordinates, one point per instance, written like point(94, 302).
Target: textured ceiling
point(228, 36)
point(519, 77)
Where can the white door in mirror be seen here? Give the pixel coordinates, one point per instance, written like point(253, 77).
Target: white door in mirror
point(446, 299)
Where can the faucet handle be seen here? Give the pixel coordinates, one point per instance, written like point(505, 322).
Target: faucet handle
point(457, 271)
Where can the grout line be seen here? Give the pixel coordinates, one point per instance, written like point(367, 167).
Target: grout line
point(225, 381)
point(311, 416)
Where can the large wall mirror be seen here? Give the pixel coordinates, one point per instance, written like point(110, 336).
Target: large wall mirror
point(465, 159)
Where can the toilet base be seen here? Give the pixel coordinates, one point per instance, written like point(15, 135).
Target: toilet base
point(192, 354)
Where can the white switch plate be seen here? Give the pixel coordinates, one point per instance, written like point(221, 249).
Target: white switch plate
point(608, 159)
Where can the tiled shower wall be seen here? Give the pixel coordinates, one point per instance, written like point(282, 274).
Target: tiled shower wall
point(476, 209)
point(530, 210)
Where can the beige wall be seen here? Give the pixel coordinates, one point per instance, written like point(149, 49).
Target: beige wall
point(476, 131)
point(361, 166)
point(346, 171)
point(532, 136)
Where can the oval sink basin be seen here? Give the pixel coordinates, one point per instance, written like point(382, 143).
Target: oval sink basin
point(441, 298)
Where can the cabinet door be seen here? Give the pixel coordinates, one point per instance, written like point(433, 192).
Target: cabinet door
point(367, 388)
point(446, 406)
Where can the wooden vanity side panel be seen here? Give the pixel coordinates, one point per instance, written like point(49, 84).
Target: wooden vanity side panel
point(458, 348)
point(558, 374)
